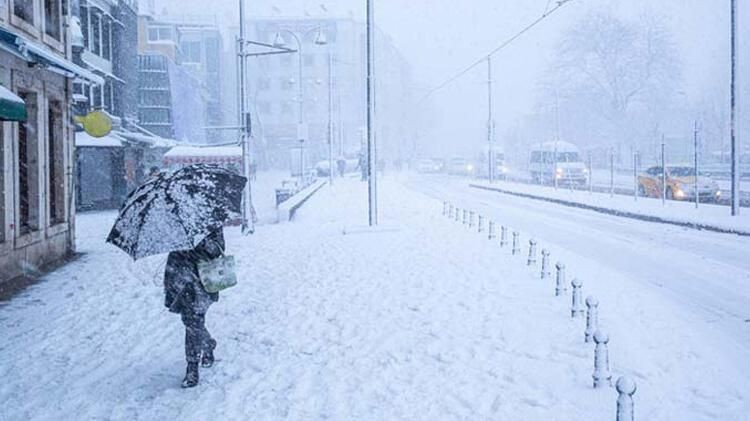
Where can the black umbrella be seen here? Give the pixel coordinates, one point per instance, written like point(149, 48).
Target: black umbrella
point(176, 211)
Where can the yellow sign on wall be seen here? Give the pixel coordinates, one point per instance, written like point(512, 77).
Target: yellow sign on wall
point(96, 123)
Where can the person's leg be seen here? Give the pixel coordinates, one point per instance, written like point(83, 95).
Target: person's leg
point(208, 346)
point(195, 330)
point(194, 327)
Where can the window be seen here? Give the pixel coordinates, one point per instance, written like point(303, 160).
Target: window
point(163, 33)
point(108, 97)
point(96, 97)
point(213, 55)
point(155, 116)
point(107, 39)
point(264, 83)
point(286, 108)
point(264, 107)
point(96, 34)
point(52, 18)
point(84, 11)
point(56, 163)
point(28, 167)
point(24, 9)
point(191, 51)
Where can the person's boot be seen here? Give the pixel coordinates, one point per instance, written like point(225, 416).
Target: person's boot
point(191, 376)
point(208, 355)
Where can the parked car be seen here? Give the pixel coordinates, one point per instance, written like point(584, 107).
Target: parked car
point(680, 184)
point(557, 162)
point(461, 166)
point(501, 169)
point(429, 166)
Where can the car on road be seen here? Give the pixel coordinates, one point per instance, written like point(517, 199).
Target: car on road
point(680, 184)
point(461, 166)
point(557, 162)
point(429, 166)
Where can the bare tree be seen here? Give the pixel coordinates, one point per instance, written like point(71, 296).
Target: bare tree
point(617, 72)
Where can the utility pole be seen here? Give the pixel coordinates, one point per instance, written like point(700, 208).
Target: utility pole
point(248, 223)
point(695, 164)
point(733, 119)
point(663, 171)
point(372, 171)
point(330, 117)
point(490, 128)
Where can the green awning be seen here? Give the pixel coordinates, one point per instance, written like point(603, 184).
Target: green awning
point(12, 107)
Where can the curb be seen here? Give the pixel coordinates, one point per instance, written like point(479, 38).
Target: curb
point(615, 212)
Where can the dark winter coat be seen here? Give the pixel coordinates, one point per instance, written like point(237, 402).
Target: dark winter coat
point(183, 290)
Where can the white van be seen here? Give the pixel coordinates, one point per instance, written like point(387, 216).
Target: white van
point(559, 162)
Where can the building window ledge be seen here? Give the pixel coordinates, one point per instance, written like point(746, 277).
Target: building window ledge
point(25, 26)
point(26, 240)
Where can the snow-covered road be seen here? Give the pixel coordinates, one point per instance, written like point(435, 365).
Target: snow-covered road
point(708, 274)
point(421, 320)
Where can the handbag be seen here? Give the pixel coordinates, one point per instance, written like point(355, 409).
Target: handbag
point(218, 274)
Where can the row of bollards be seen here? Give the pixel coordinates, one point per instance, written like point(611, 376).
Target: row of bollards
point(602, 376)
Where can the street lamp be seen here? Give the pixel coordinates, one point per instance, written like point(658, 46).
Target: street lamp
point(280, 42)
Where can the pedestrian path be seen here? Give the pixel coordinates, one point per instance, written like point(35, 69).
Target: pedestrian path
point(422, 319)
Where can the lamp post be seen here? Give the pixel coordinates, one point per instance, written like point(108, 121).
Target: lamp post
point(372, 184)
point(490, 125)
point(733, 116)
point(302, 131)
point(248, 219)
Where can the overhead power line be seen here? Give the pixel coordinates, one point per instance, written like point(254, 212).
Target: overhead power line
point(546, 14)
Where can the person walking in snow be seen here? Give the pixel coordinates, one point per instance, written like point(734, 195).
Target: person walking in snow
point(185, 295)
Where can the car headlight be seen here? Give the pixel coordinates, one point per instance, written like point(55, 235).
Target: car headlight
point(470, 168)
point(718, 193)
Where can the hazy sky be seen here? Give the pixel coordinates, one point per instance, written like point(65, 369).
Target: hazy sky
point(440, 37)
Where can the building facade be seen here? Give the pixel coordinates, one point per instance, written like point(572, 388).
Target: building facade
point(274, 89)
point(180, 76)
point(109, 168)
point(37, 204)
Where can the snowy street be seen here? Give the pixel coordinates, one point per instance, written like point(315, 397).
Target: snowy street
point(419, 319)
point(705, 272)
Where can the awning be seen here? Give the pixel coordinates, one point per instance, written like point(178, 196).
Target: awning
point(12, 107)
point(34, 53)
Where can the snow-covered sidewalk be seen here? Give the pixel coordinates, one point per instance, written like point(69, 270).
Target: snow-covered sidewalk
point(707, 216)
point(420, 320)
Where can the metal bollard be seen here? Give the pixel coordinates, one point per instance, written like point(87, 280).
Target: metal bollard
point(532, 253)
point(480, 224)
point(516, 248)
point(602, 376)
point(503, 236)
point(625, 407)
point(445, 208)
point(560, 287)
point(545, 264)
point(592, 317)
point(491, 234)
point(458, 214)
point(466, 217)
point(577, 308)
point(471, 219)
point(450, 211)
